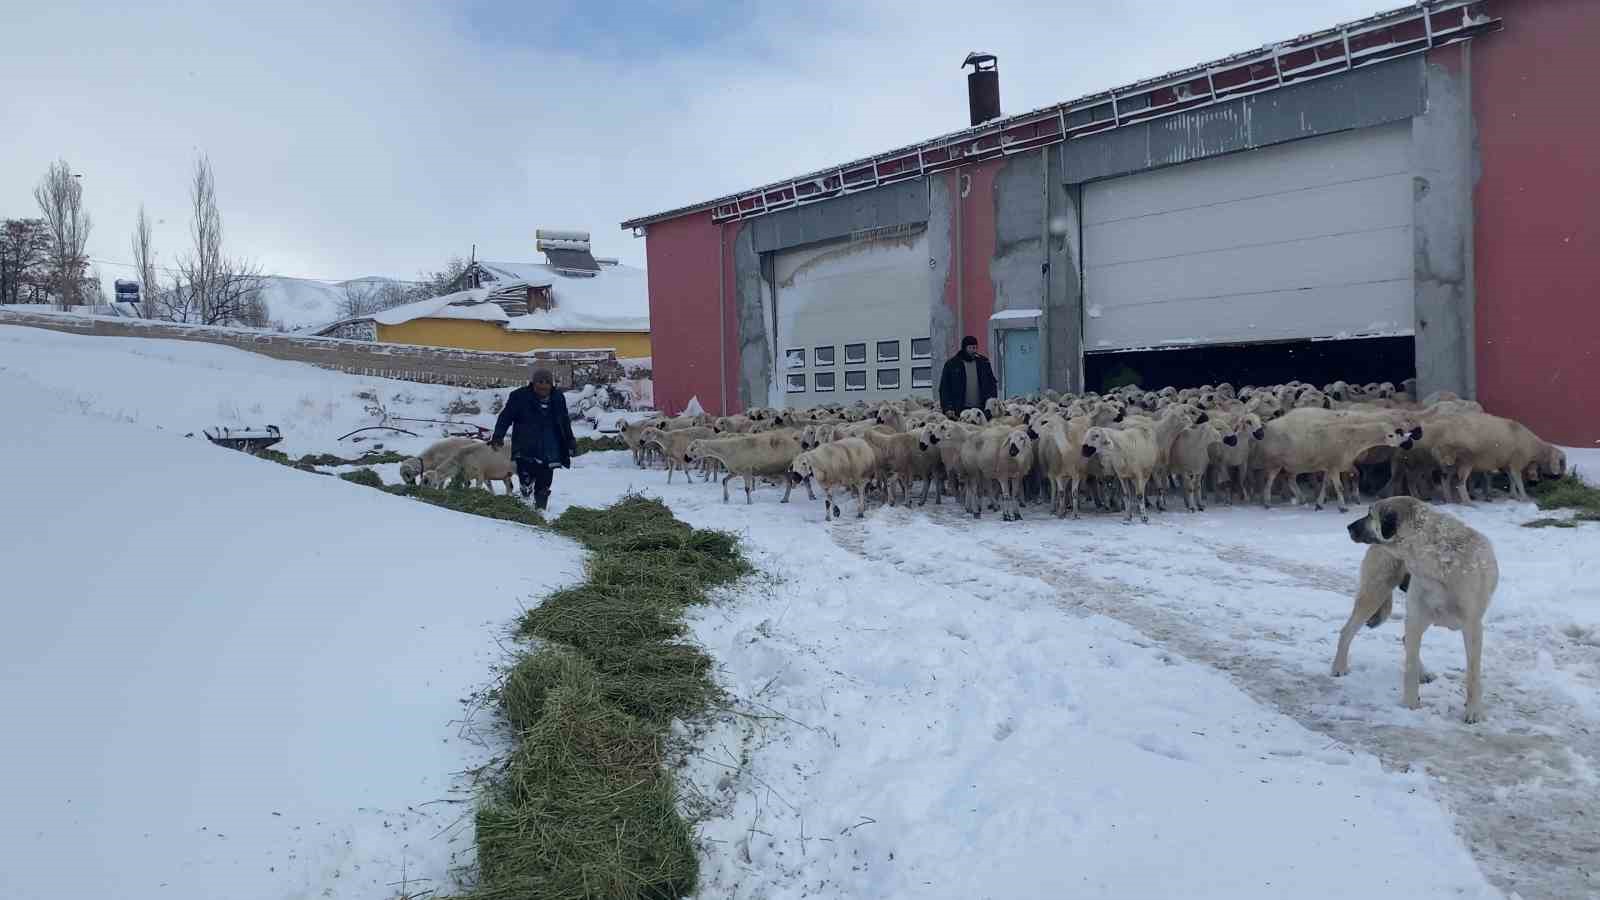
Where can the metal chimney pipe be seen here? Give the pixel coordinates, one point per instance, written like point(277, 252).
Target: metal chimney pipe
point(983, 87)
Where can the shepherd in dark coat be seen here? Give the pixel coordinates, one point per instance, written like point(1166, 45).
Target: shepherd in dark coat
point(968, 380)
point(541, 434)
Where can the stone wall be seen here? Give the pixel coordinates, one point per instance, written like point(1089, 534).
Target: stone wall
point(429, 365)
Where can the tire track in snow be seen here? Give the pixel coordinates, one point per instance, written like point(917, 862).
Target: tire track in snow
point(1521, 786)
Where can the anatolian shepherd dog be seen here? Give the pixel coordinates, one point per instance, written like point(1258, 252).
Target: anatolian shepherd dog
point(1448, 572)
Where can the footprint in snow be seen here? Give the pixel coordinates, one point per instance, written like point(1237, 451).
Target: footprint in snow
point(1005, 729)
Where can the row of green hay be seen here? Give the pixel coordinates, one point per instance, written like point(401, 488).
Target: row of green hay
point(375, 458)
point(586, 444)
point(1567, 492)
point(584, 807)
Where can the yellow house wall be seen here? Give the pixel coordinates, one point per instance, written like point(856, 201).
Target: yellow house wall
point(467, 334)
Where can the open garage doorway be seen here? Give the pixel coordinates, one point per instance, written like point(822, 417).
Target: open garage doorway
point(1357, 361)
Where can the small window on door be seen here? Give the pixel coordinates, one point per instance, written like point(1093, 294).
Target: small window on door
point(921, 348)
point(888, 351)
point(822, 356)
point(922, 376)
point(795, 359)
point(856, 380)
point(854, 355)
point(822, 382)
point(888, 379)
point(797, 383)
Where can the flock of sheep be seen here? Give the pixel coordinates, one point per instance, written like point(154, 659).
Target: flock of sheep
point(1125, 450)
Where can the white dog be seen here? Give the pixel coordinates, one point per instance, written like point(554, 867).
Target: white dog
point(1448, 572)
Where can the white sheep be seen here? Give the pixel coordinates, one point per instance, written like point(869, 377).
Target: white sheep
point(412, 468)
point(480, 464)
point(1130, 455)
point(673, 445)
point(1299, 445)
point(766, 455)
point(848, 463)
point(903, 457)
point(1191, 457)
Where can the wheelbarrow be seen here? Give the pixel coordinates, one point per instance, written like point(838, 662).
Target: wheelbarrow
point(250, 440)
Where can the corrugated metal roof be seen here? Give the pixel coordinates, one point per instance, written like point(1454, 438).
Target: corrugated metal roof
point(834, 175)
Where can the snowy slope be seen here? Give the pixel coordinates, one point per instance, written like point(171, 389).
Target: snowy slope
point(235, 684)
point(187, 386)
point(300, 302)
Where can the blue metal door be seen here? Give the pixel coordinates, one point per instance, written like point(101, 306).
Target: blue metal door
point(1019, 361)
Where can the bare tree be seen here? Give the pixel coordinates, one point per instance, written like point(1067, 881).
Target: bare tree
point(208, 287)
point(60, 198)
point(23, 247)
point(365, 297)
point(144, 259)
point(446, 280)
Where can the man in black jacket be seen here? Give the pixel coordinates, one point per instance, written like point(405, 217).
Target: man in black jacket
point(968, 381)
point(541, 437)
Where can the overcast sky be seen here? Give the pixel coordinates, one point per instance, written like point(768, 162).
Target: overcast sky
point(357, 138)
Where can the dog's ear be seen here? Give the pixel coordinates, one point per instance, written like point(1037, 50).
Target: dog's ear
point(1388, 524)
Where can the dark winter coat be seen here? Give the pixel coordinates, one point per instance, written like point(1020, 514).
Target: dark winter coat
point(953, 383)
point(537, 432)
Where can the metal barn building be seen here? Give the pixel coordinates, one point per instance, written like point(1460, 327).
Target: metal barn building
point(1414, 193)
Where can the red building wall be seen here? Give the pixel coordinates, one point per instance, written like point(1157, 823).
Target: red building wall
point(1536, 208)
point(682, 268)
point(978, 236)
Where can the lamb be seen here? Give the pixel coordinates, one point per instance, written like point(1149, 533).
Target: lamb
point(1230, 459)
point(631, 433)
point(1130, 454)
point(977, 466)
point(1191, 457)
point(1011, 464)
point(815, 434)
point(412, 468)
point(1059, 442)
point(1163, 431)
point(947, 437)
point(480, 464)
point(847, 463)
point(674, 443)
point(1299, 445)
point(767, 455)
point(678, 423)
point(903, 456)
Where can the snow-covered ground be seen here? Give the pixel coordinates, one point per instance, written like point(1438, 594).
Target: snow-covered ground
point(928, 706)
point(1057, 708)
point(186, 387)
point(222, 677)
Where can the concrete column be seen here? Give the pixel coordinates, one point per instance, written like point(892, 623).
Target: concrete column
point(753, 342)
point(1064, 293)
point(1444, 165)
point(943, 328)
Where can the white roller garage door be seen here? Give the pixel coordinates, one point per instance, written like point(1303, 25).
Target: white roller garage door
point(852, 321)
point(1310, 239)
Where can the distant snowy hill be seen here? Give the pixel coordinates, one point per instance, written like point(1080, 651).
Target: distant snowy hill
point(299, 302)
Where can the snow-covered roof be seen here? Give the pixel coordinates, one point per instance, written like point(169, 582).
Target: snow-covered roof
point(613, 299)
point(469, 304)
point(616, 298)
point(1005, 314)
